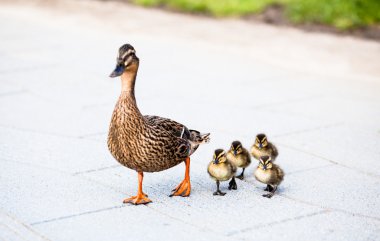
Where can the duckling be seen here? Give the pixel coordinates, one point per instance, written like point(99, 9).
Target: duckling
point(147, 143)
point(239, 156)
point(270, 174)
point(221, 169)
point(262, 147)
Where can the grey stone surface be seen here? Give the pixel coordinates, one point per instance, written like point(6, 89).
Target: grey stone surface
point(315, 95)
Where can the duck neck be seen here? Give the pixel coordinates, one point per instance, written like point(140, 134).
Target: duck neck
point(128, 79)
point(127, 98)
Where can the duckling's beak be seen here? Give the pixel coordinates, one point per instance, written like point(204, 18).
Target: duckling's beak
point(264, 167)
point(260, 146)
point(216, 161)
point(235, 152)
point(119, 70)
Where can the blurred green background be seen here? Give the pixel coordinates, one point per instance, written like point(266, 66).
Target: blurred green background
point(342, 14)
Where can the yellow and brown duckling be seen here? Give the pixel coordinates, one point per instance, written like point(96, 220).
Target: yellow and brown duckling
point(221, 169)
point(270, 174)
point(262, 147)
point(147, 143)
point(239, 156)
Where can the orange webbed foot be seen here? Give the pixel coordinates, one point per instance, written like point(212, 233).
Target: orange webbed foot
point(183, 189)
point(139, 199)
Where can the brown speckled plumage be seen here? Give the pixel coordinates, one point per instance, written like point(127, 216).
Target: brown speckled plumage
point(147, 143)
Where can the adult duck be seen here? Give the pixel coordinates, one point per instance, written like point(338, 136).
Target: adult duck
point(147, 143)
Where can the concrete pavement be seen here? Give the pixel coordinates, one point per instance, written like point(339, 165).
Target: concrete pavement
point(315, 95)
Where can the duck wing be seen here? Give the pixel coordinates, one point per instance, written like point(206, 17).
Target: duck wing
point(192, 137)
point(171, 126)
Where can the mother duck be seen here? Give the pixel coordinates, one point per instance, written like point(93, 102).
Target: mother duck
point(147, 143)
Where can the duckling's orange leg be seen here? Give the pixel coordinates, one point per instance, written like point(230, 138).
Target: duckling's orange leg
point(141, 197)
point(184, 188)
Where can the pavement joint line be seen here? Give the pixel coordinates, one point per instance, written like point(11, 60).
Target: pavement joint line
point(270, 224)
point(27, 69)
point(11, 93)
point(49, 100)
point(92, 134)
point(288, 197)
point(299, 72)
point(119, 206)
point(12, 230)
point(316, 205)
point(288, 101)
point(328, 126)
point(96, 170)
point(37, 131)
point(183, 221)
point(158, 191)
point(64, 172)
point(61, 171)
point(331, 161)
point(289, 133)
point(23, 225)
point(55, 134)
point(35, 166)
point(76, 215)
point(93, 106)
point(310, 169)
point(178, 200)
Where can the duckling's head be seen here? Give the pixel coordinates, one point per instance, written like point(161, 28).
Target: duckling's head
point(126, 60)
point(261, 141)
point(219, 156)
point(265, 162)
point(236, 148)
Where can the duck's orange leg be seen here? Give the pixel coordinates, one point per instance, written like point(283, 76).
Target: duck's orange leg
point(140, 198)
point(184, 188)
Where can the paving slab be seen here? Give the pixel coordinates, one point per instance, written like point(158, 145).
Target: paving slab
point(315, 96)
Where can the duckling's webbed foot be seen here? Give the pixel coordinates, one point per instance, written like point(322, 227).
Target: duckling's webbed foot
point(268, 195)
point(271, 189)
point(232, 184)
point(219, 193)
point(241, 176)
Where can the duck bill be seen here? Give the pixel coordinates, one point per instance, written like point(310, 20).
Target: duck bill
point(119, 70)
point(216, 162)
point(235, 153)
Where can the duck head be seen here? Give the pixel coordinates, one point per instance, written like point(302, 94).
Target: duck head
point(126, 61)
point(265, 162)
point(219, 156)
point(261, 141)
point(236, 148)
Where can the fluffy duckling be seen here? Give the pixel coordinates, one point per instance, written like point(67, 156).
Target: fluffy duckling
point(270, 174)
point(239, 156)
point(220, 169)
point(262, 147)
